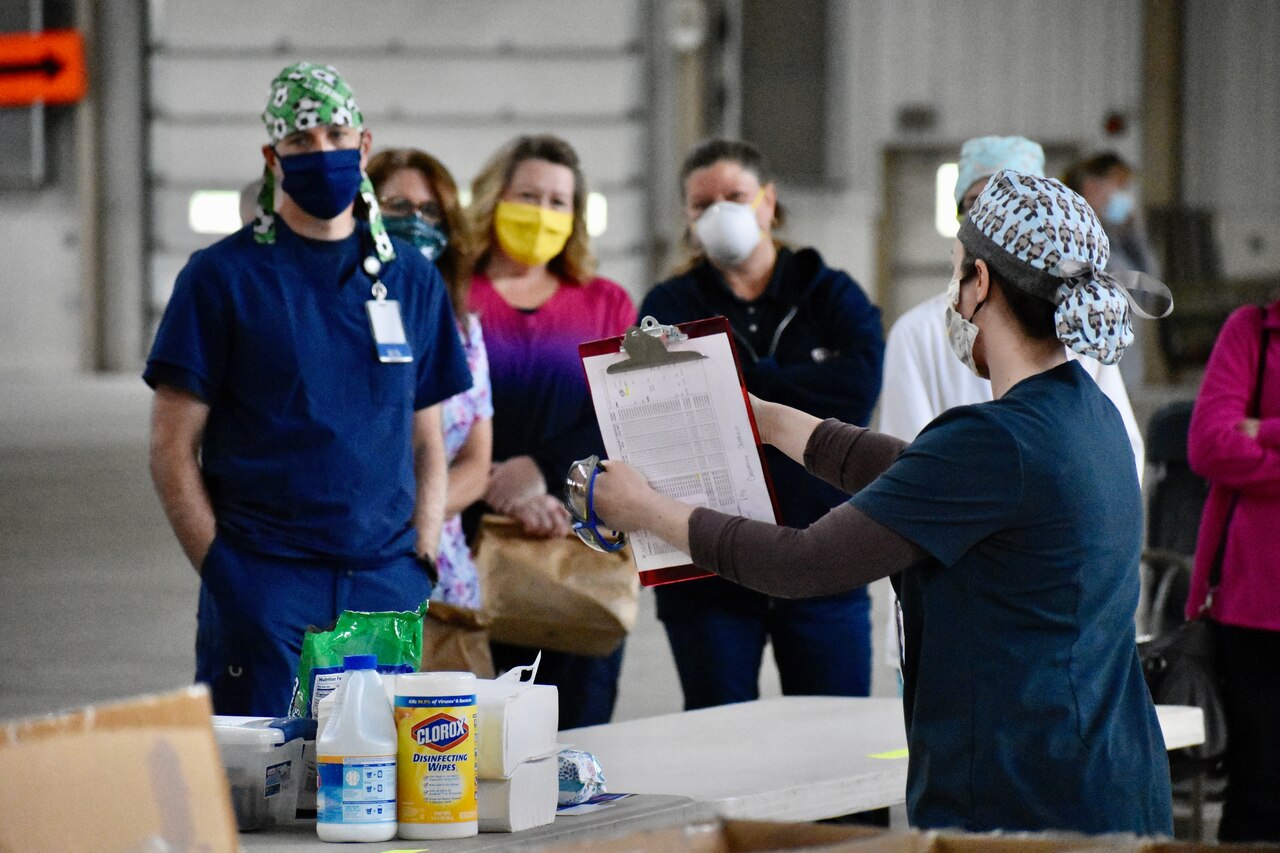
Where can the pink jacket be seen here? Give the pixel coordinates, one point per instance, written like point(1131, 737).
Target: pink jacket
point(1233, 463)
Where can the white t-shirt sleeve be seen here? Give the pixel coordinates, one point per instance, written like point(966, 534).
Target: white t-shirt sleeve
point(922, 377)
point(1111, 383)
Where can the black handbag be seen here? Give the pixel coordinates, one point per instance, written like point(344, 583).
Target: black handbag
point(1181, 667)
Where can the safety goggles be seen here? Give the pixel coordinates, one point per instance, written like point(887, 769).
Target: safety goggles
point(579, 491)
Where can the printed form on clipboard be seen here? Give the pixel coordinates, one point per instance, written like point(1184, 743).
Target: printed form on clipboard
point(671, 402)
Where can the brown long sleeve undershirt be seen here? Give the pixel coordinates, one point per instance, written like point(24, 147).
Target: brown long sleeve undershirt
point(842, 550)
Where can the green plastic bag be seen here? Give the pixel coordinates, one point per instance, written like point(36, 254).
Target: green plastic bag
point(394, 636)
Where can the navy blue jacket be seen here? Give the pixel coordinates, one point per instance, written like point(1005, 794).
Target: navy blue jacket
point(812, 340)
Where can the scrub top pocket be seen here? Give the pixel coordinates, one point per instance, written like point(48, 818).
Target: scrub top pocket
point(392, 384)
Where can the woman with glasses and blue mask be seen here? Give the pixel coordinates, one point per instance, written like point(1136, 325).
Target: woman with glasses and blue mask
point(1013, 527)
point(807, 335)
point(419, 202)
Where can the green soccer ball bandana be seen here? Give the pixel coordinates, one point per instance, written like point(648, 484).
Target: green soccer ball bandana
point(303, 96)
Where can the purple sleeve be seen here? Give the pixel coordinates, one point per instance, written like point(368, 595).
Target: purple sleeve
point(612, 314)
point(842, 550)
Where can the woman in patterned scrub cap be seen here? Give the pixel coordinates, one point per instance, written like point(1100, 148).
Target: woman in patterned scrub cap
point(1014, 528)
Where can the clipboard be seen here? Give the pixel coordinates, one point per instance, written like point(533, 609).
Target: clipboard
point(666, 402)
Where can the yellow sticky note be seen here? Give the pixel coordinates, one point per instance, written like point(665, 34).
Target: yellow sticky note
point(413, 850)
point(893, 753)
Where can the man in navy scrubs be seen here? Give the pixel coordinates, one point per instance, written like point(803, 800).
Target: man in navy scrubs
point(295, 436)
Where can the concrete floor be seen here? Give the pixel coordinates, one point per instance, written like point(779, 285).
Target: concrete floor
point(96, 599)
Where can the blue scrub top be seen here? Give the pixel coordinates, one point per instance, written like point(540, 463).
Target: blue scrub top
point(1025, 703)
point(308, 448)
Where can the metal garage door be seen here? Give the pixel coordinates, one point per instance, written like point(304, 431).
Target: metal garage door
point(457, 78)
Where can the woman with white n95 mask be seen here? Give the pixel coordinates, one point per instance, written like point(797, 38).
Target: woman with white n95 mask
point(807, 334)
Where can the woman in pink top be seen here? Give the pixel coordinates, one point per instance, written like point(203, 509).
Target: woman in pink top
point(1237, 450)
point(538, 297)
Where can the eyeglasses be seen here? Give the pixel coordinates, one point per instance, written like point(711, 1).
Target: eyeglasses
point(579, 490)
point(400, 206)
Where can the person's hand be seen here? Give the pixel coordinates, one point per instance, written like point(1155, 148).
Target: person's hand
point(542, 516)
point(1249, 426)
point(622, 496)
point(514, 482)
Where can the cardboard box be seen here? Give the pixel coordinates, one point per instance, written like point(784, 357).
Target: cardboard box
point(515, 721)
point(140, 774)
point(740, 836)
point(730, 836)
point(524, 800)
point(1050, 842)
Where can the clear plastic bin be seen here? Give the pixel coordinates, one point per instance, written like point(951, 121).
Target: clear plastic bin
point(263, 760)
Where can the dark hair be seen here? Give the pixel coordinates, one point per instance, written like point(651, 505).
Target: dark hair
point(1034, 315)
point(713, 151)
point(745, 154)
point(575, 263)
point(1099, 165)
point(455, 262)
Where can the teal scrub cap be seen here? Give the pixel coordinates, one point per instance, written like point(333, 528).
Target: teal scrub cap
point(983, 156)
point(302, 96)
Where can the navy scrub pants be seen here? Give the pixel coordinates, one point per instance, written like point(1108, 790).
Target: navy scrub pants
point(254, 609)
point(587, 686)
point(718, 630)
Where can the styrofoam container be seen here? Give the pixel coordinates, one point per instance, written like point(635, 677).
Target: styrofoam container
point(517, 721)
point(522, 801)
point(263, 760)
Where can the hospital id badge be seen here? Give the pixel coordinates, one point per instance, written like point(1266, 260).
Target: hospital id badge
point(388, 331)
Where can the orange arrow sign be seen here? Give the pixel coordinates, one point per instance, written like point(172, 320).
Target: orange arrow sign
point(45, 67)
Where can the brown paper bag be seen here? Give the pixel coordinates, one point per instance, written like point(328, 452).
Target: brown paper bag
point(455, 639)
point(554, 593)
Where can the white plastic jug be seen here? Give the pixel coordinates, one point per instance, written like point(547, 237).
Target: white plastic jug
point(356, 758)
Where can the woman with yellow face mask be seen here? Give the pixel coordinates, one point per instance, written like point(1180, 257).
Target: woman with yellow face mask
point(538, 297)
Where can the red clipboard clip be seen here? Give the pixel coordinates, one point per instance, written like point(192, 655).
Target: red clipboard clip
point(645, 345)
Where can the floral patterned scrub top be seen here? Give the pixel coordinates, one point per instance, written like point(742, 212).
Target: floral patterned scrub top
point(458, 584)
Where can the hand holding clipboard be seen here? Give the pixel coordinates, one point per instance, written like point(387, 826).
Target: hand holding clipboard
point(671, 402)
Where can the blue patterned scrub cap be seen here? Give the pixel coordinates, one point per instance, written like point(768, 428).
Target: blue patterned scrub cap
point(983, 156)
point(1044, 239)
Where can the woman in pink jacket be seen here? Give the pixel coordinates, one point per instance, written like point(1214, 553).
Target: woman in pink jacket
point(1236, 447)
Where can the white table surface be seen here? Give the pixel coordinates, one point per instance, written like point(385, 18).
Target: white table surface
point(633, 814)
point(1182, 725)
point(791, 758)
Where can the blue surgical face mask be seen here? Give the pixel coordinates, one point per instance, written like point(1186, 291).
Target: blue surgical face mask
point(323, 183)
point(426, 237)
point(1119, 207)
